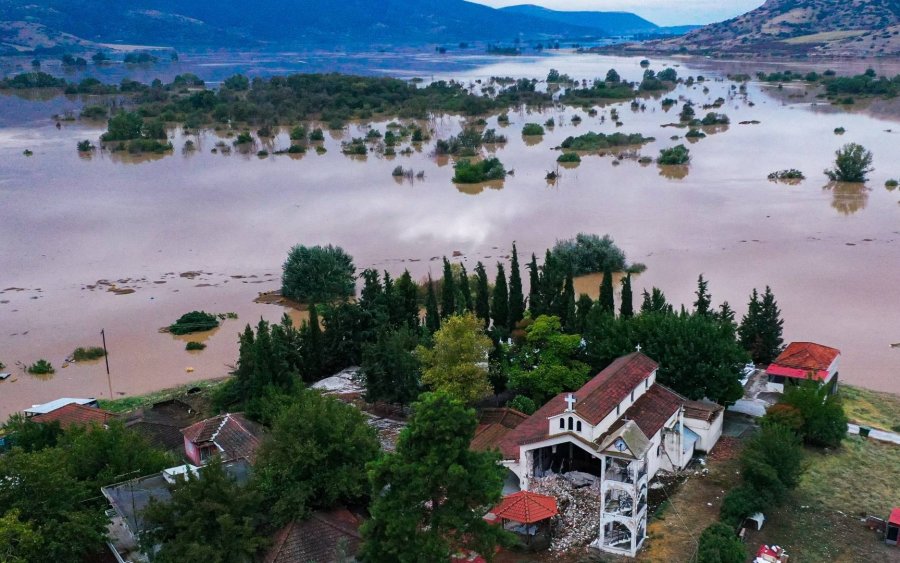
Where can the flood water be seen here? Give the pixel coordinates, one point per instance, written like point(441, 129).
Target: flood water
point(209, 231)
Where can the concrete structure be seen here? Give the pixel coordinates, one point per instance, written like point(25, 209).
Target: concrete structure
point(57, 404)
point(622, 427)
point(801, 361)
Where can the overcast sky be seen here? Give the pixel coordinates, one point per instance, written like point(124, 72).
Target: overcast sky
point(662, 12)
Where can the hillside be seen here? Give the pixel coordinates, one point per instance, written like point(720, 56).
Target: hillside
point(323, 23)
point(611, 23)
point(799, 28)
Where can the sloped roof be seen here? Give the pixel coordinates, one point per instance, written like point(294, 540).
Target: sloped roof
point(599, 396)
point(526, 507)
point(631, 434)
point(652, 409)
point(494, 425)
point(233, 434)
point(74, 414)
point(324, 538)
point(807, 356)
point(161, 423)
point(894, 518)
point(702, 410)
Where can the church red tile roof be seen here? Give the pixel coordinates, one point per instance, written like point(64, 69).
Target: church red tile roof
point(74, 414)
point(652, 409)
point(494, 425)
point(324, 537)
point(526, 507)
point(236, 436)
point(807, 356)
point(599, 396)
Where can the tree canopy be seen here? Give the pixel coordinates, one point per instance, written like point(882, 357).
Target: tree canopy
point(457, 363)
point(548, 362)
point(318, 274)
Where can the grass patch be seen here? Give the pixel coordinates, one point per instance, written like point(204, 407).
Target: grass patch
point(871, 408)
point(127, 404)
point(84, 354)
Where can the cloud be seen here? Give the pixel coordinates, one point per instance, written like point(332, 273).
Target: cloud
point(662, 12)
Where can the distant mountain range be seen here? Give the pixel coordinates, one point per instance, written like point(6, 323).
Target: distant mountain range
point(26, 25)
point(833, 28)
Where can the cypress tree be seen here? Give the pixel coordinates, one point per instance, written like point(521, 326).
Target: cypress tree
point(607, 301)
point(726, 315)
point(516, 297)
point(314, 357)
point(391, 303)
point(448, 292)
point(432, 316)
point(408, 299)
point(534, 292)
point(703, 304)
point(568, 319)
point(584, 306)
point(748, 331)
point(465, 291)
point(482, 295)
point(771, 325)
point(626, 307)
point(500, 303)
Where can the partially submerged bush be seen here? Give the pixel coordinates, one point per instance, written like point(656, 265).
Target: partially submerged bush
point(678, 154)
point(569, 157)
point(194, 346)
point(532, 129)
point(589, 253)
point(318, 274)
point(595, 141)
point(41, 367)
point(85, 146)
point(851, 164)
point(92, 353)
point(195, 321)
point(787, 174)
point(467, 172)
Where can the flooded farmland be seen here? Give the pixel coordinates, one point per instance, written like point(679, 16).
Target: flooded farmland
point(127, 244)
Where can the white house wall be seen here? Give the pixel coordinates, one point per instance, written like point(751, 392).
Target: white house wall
point(709, 432)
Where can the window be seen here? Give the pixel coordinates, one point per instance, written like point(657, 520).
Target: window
point(617, 410)
point(647, 383)
point(632, 395)
point(578, 426)
point(570, 423)
point(562, 424)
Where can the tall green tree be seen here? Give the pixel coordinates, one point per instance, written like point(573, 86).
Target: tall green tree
point(760, 329)
point(432, 316)
point(407, 299)
point(549, 362)
point(314, 357)
point(391, 368)
point(500, 301)
point(584, 306)
point(319, 273)
point(315, 457)
point(655, 302)
point(448, 291)
point(371, 298)
point(821, 414)
point(626, 307)
point(516, 296)
point(431, 495)
point(534, 291)
point(606, 302)
point(457, 363)
point(482, 295)
point(703, 303)
point(465, 291)
point(569, 318)
point(209, 518)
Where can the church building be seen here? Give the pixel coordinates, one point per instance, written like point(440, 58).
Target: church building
point(621, 427)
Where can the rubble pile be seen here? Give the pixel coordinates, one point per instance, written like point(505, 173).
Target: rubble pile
point(578, 523)
point(388, 430)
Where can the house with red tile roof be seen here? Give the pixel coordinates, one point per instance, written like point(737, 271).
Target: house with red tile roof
point(325, 537)
point(622, 427)
point(803, 360)
point(227, 436)
point(74, 414)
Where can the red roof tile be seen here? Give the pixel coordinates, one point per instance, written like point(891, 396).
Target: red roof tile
point(894, 518)
point(702, 410)
point(494, 425)
point(236, 436)
point(74, 414)
point(652, 409)
point(526, 507)
point(807, 356)
point(324, 538)
point(599, 396)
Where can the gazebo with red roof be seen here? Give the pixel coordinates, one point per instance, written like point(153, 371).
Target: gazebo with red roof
point(525, 508)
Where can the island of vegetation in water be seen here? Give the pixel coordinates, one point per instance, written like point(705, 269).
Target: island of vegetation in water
point(469, 172)
point(596, 141)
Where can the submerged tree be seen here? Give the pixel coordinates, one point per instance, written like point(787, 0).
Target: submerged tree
point(319, 273)
point(852, 163)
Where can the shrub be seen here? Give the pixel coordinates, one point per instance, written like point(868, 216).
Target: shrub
point(719, 544)
point(839, 130)
point(852, 163)
point(532, 129)
point(569, 157)
point(298, 133)
point(713, 118)
point(398, 171)
point(81, 354)
point(317, 135)
point(243, 138)
point(41, 367)
point(740, 502)
point(93, 112)
point(85, 146)
point(296, 149)
point(192, 345)
point(674, 155)
point(318, 274)
point(467, 172)
point(695, 134)
point(195, 321)
point(824, 420)
point(522, 404)
point(788, 174)
point(595, 141)
point(490, 136)
point(589, 253)
point(891, 184)
point(550, 123)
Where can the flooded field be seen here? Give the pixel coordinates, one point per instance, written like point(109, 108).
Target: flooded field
point(203, 230)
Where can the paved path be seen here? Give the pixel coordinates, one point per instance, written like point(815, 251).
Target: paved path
point(881, 435)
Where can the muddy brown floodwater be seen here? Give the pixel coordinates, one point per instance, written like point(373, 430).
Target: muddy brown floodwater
point(208, 231)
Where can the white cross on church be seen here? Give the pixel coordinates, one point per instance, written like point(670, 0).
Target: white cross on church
point(638, 347)
point(570, 400)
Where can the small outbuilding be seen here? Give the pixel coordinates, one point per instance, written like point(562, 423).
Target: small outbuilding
point(528, 510)
point(892, 530)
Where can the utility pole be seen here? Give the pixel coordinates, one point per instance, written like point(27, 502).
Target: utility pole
point(106, 358)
